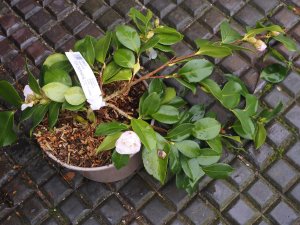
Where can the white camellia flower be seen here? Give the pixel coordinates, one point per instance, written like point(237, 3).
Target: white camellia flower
point(128, 143)
point(260, 45)
point(96, 103)
point(28, 93)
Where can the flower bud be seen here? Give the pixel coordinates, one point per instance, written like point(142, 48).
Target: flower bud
point(260, 45)
point(161, 154)
point(128, 143)
point(275, 33)
point(150, 34)
point(251, 40)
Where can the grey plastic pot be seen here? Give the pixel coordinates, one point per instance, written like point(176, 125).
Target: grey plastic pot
point(105, 174)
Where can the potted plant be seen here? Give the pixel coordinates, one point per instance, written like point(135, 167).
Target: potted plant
point(92, 111)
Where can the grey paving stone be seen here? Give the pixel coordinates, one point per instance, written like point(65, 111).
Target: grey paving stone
point(283, 214)
point(291, 83)
point(94, 8)
point(285, 18)
point(221, 193)
point(195, 31)
point(293, 116)
point(199, 212)
point(123, 7)
point(213, 18)
point(59, 8)
point(231, 6)
point(137, 191)
point(248, 15)
point(294, 194)
point(12, 220)
point(262, 194)
point(178, 19)
point(266, 6)
point(157, 212)
point(161, 8)
point(91, 221)
point(112, 210)
point(50, 221)
point(196, 7)
point(293, 154)
point(75, 22)
point(242, 213)
point(278, 134)
point(109, 19)
point(283, 174)
point(235, 64)
point(6, 170)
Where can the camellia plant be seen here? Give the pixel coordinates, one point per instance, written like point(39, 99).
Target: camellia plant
point(83, 126)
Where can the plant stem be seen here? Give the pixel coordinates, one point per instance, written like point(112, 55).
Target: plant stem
point(120, 111)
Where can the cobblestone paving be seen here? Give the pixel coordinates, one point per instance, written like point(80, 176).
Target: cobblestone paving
point(265, 187)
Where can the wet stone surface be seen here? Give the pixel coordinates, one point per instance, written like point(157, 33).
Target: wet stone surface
point(265, 187)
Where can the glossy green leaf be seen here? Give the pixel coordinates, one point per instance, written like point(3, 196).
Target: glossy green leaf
point(146, 133)
point(237, 127)
point(128, 37)
point(251, 104)
point(188, 85)
point(169, 94)
point(268, 114)
point(86, 48)
point(167, 35)
point(27, 113)
point(38, 116)
point(234, 78)
point(57, 75)
point(102, 46)
point(260, 135)
point(174, 161)
point(110, 70)
point(196, 113)
point(206, 128)
point(33, 84)
point(228, 34)
point(218, 170)
point(7, 133)
point(212, 87)
point(119, 160)
point(123, 74)
point(196, 70)
point(109, 142)
point(215, 144)
point(166, 114)
point(110, 128)
point(54, 108)
point(55, 91)
point(151, 43)
point(151, 104)
point(75, 96)
point(9, 94)
point(141, 21)
point(208, 157)
point(234, 138)
point(245, 120)
point(124, 57)
point(156, 85)
point(57, 61)
point(231, 94)
point(289, 43)
point(195, 169)
point(177, 102)
point(274, 73)
point(188, 148)
point(215, 51)
point(164, 48)
point(70, 107)
point(180, 132)
point(255, 31)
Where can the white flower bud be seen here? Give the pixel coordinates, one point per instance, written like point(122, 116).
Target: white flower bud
point(27, 91)
point(128, 143)
point(28, 94)
point(260, 45)
point(275, 33)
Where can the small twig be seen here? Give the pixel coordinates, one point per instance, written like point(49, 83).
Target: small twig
point(100, 78)
point(120, 111)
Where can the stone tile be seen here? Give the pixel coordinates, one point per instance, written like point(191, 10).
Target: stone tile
point(178, 19)
point(23, 37)
point(295, 32)
point(27, 8)
point(74, 179)
point(94, 192)
point(276, 96)
point(294, 194)
point(286, 53)
point(10, 23)
point(112, 210)
point(94, 8)
point(261, 157)
point(230, 7)
point(157, 212)
point(92, 30)
point(50, 221)
point(222, 114)
point(282, 174)
point(196, 31)
point(7, 50)
point(293, 116)
point(6, 170)
point(291, 83)
point(199, 212)
point(56, 189)
point(75, 22)
point(293, 154)
point(181, 48)
point(262, 194)
point(213, 18)
point(285, 17)
point(41, 21)
point(91, 221)
point(59, 8)
point(200, 97)
point(57, 36)
point(12, 220)
point(123, 7)
point(162, 8)
point(195, 7)
point(16, 66)
point(155, 184)
point(34, 210)
point(251, 78)
point(283, 214)
point(235, 64)
point(220, 193)
point(278, 134)
point(248, 15)
point(252, 54)
point(74, 209)
point(37, 52)
point(242, 213)
point(109, 19)
point(137, 191)
point(242, 175)
point(266, 6)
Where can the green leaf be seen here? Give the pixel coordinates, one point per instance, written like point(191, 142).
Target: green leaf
point(212, 87)
point(141, 21)
point(180, 132)
point(128, 37)
point(253, 32)
point(208, 157)
point(215, 144)
point(169, 94)
point(110, 128)
point(102, 46)
point(188, 85)
point(57, 61)
point(206, 129)
point(57, 75)
point(234, 78)
point(7, 133)
point(196, 70)
point(145, 133)
point(9, 94)
point(119, 160)
point(75, 96)
point(231, 94)
point(182, 181)
point(215, 51)
point(55, 91)
point(174, 162)
point(151, 43)
point(237, 127)
point(266, 115)
point(274, 73)
point(177, 102)
point(38, 116)
point(124, 57)
point(260, 135)
point(109, 142)
point(245, 120)
point(33, 84)
point(163, 48)
point(234, 138)
point(86, 48)
point(151, 104)
point(228, 34)
point(167, 35)
point(156, 85)
point(27, 113)
point(154, 165)
point(196, 113)
point(289, 43)
point(195, 169)
point(53, 113)
point(218, 170)
point(166, 114)
point(110, 70)
point(188, 148)
point(251, 104)
point(70, 107)
point(123, 74)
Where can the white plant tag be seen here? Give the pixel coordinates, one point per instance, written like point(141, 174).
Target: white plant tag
point(87, 80)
